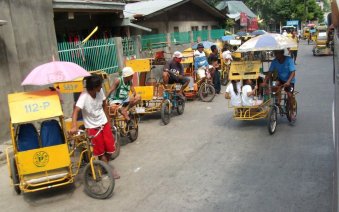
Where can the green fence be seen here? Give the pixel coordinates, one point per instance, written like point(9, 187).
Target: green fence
point(153, 41)
point(217, 33)
point(128, 45)
point(93, 55)
point(203, 34)
point(180, 37)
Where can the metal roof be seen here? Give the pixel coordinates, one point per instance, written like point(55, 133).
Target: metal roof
point(87, 5)
point(235, 7)
point(148, 7)
point(153, 7)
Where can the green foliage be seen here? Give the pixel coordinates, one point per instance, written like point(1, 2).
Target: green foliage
point(282, 10)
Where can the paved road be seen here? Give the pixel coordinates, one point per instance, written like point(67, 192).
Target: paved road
point(206, 161)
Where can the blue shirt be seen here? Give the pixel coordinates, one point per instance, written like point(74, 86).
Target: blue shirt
point(284, 69)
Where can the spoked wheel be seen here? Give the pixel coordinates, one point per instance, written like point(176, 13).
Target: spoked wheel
point(15, 175)
point(165, 112)
point(117, 142)
point(102, 187)
point(133, 128)
point(206, 92)
point(272, 120)
point(289, 112)
point(224, 78)
point(181, 105)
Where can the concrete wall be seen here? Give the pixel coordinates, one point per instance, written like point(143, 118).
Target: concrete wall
point(27, 40)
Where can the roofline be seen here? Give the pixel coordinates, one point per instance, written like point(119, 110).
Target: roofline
point(165, 9)
point(215, 10)
point(81, 5)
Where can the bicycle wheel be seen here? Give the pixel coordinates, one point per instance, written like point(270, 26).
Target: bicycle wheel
point(224, 78)
point(272, 120)
point(206, 92)
point(102, 187)
point(133, 129)
point(289, 112)
point(117, 143)
point(181, 105)
point(15, 175)
point(165, 112)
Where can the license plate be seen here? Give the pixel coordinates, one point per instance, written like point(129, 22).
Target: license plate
point(140, 110)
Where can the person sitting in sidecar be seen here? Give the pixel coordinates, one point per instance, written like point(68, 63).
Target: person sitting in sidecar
point(119, 92)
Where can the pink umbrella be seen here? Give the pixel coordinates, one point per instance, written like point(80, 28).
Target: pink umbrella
point(56, 71)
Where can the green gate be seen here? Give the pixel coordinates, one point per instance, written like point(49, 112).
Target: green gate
point(93, 55)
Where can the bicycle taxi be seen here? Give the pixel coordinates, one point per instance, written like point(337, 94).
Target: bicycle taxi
point(44, 156)
point(202, 88)
point(274, 99)
point(155, 96)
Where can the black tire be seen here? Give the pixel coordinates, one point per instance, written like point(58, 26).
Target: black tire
point(165, 112)
point(289, 113)
point(224, 78)
point(181, 106)
point(104, 178)
point(133, 129)
point(117, 142)
point(272, 120)
point(206, 92)
point(14, 175)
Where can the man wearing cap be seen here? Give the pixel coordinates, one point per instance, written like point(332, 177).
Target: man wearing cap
point(121, 88)
point(174, 72)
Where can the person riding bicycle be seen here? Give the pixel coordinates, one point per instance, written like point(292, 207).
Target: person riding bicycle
point(174, 72)
point(92, 103)
point(200, 61)
point(119, 92)
point(284, 65)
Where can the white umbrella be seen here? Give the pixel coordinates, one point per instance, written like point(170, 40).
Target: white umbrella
point(267, 42)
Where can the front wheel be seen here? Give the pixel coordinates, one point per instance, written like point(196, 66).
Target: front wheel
point(272, 120)
point(133, 129)
point(224, 78)
point(102, 187)
point(15, 175)
point(206, 92)
point(165, 112)
point(181, 106)
point(117, 143)
point(290, 113)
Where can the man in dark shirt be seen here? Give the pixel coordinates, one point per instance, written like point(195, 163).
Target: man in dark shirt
point(212, 58)
point(174, 72)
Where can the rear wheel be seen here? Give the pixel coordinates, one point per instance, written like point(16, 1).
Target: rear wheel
point(102, 187)
point(165, 112)
point(272, 120)
point(206, 92)
point(15, 175)
point(181, 105)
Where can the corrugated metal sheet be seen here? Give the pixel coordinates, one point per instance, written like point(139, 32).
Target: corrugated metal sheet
point(148, 7)
point(235, 7)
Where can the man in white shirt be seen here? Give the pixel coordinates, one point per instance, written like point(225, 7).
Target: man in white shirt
point(92, 103)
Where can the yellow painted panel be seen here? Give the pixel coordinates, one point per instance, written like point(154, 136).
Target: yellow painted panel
point(35, 105)
point(139, 65)
point(70, 87)
point(68, 123)
point(244, 70)
point(145, 92)
point(43, 159)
